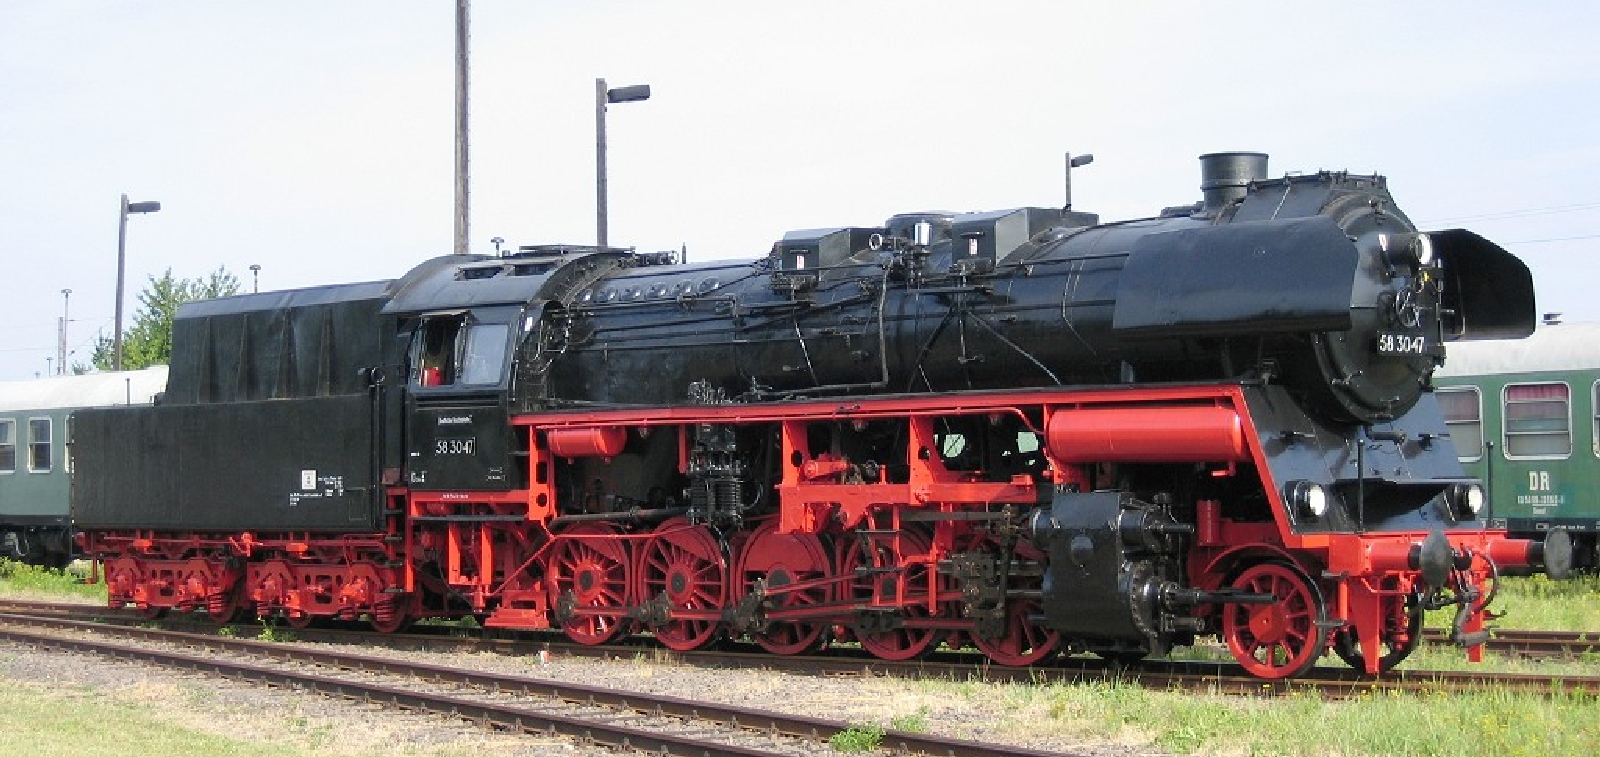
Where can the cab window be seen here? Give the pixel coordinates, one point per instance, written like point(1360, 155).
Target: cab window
point(449, 351)
point(435, 356)
point(484, 356)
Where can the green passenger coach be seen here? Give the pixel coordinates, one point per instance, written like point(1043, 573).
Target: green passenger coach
point(36, 459)
point(1525, 418)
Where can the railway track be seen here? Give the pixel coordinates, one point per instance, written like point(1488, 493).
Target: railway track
point(621, 719)
point(1227, 678)
point(1534, 643)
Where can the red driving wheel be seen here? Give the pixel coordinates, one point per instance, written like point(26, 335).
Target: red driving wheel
point(1281, 639)
point(591, 565)
point(684, 562)
point(1023, 642)
point(782, 560)
point(878, 564)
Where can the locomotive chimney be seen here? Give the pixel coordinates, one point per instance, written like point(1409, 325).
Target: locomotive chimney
point(1225, 176)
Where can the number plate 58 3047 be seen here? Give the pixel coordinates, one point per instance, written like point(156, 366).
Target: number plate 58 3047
point(1402, 343)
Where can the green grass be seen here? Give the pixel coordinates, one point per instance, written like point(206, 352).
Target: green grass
point(916, 722)
point(194, 720)
point(83, 723)
point(1536, 603)
point(1489, 723)
point(20, 579)
point(857, 739)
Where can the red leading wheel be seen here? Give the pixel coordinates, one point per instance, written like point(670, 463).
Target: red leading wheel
point(593, 568)
point(1281, 639)
point(1400, 636)
point(684, 562)
point(781, 560)
point(1022, 642)
point(877, 588)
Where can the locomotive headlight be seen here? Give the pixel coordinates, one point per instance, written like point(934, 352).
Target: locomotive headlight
point(1467, 500)
point(1407, 250)
point(1307, 497)
point(1422, 248)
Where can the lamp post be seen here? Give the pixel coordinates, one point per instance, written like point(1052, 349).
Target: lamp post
point(602, 96)
point(66, 314)
point(122, 261)
point(463, 209)
point(255, 277)
point(1074, 161)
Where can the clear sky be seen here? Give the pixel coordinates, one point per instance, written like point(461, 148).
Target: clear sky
point(315, 139)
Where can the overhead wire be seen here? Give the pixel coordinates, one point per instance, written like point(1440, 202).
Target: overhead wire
point(1523, 213)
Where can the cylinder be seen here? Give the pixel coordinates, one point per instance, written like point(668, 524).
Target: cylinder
point(594, 441)
point(1226, 176)
point(1150, 434)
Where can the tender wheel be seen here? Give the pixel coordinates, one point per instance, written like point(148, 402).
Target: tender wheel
point(684, 562)
point(591, 565)
point(299, 622)
point(392, 624)
point(224, 610)
point(151, 612)
point(1278, 640)
point(1402, 634)
point(1022, 643)
point(781, 560)
point(876, 565)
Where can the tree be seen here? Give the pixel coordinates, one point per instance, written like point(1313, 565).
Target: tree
point(149, 340)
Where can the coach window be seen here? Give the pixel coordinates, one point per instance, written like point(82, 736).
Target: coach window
point(1538, 420)
point(8, 446)
point(1595, 404)
point(1463, 415)
point(38, 445)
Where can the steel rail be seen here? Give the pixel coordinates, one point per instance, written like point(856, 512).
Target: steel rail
point(745, 718)
point(1218, 677)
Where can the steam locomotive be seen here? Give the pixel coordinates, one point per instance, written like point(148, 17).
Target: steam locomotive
point(1025, 431)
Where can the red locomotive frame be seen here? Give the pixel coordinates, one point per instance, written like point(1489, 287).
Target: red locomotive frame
point(843, 556)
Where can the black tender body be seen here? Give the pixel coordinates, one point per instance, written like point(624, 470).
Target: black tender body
point(268, 421)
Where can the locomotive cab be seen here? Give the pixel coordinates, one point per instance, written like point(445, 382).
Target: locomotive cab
point(457, 437)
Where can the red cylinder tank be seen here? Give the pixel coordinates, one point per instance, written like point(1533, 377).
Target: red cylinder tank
point(1148, 434)
point(594, 441)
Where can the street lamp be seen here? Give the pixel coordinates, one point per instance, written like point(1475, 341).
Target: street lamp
point(1074, 161)
point(255, 277)
point(122, 259)
point(66, 313)
point(633, 93)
